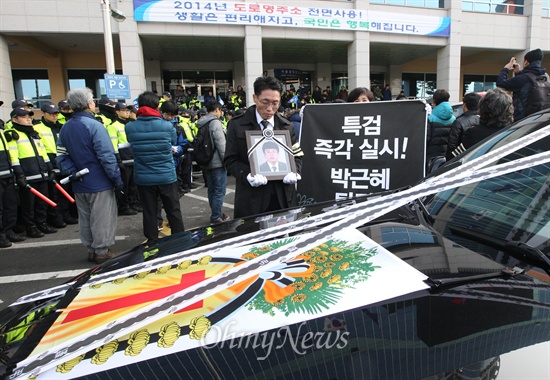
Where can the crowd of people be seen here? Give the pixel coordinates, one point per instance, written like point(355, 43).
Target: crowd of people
point(139, 159)
point(37, 153)
point(449, 136)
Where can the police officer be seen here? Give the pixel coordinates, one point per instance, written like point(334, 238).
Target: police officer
point(165, 96)
point(19, 103)
point(49, 129)
point(128, 203)
point(195, 103)
point(8, 198)
point(65, 111)
point(106, 113)
point(185, 167)
point(31, 166)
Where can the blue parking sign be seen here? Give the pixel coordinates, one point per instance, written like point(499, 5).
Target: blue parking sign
point(117, 86)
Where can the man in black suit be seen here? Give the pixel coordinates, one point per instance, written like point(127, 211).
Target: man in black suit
point(271, 154)
point(255, 194)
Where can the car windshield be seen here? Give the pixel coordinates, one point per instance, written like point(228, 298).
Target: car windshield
point(512, 207)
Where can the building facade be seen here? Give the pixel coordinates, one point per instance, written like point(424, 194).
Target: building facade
point(49, 47)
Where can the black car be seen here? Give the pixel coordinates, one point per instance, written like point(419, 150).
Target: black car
point(482, 244)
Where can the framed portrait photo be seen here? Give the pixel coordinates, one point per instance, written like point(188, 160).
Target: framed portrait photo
point(270, 153)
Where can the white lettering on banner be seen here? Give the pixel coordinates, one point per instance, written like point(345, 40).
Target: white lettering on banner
point(352, 124)
point(369, 149)
point(361, 179)
point(338, 147)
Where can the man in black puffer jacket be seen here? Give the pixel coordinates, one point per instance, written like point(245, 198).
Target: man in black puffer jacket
point(468, 119)
point(520, 84)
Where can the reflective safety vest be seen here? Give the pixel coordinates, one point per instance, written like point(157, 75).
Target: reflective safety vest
point(8, 125)
point(48, 137)
point(195, 102)
point(117, 133)
point(161, 100)
point(5, 161)
point(28, 155)
point(19, 331)
point(190, 129)
point(104, 119)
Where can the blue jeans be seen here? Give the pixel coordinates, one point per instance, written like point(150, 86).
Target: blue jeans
point(216, 180)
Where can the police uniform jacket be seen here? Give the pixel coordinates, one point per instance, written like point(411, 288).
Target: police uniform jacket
point(5, 161)
point(120, 141)
point(254, 200)
point(49, 132)
point(28, 154)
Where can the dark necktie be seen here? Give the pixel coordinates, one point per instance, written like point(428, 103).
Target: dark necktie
point(273, 168)
point(265, 124)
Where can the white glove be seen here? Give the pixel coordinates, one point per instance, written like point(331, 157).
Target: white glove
point(292, 178)
point(257, 180)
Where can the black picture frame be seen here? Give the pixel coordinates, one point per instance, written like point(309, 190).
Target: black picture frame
point(255, 141)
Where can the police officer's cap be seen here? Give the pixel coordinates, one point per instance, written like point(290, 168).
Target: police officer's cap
point(20, 111)
point(63, 104)
point(20, 103)
point(121, 106)
point(49, 107)
point(106, 101)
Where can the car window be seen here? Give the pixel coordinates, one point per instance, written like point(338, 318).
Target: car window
point(512, 207)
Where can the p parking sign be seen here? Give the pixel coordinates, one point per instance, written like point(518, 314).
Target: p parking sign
point(117, 86)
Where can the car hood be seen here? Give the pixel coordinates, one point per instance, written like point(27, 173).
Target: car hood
point(475, 311)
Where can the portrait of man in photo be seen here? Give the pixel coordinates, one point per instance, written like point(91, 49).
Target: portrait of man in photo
point(270, 150)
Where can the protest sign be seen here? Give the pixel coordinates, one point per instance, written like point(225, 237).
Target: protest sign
point(355, 149)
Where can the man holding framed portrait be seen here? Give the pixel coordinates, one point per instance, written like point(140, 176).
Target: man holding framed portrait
point(258, 190)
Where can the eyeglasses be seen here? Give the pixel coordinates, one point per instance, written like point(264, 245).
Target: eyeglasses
point(267, 103)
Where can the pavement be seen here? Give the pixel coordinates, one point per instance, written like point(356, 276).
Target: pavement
point(37, 264)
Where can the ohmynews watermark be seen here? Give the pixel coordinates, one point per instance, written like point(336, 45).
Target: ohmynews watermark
point(300, 341)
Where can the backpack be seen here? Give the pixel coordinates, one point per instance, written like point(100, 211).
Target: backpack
point(539, 94)
point(203, 148)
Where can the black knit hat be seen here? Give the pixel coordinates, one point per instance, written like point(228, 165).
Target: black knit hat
point(534, 55)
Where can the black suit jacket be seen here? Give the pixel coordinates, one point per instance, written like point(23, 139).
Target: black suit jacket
point(255, 200)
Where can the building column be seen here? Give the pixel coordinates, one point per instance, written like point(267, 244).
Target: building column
point(239, 76)
point(532, 9)
point(324, 75)
point(58, 80)
point(359, 61)
point(253, 59)
point(6, 80)
point(131, 52)
point(448, 58)
point(396, 80)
